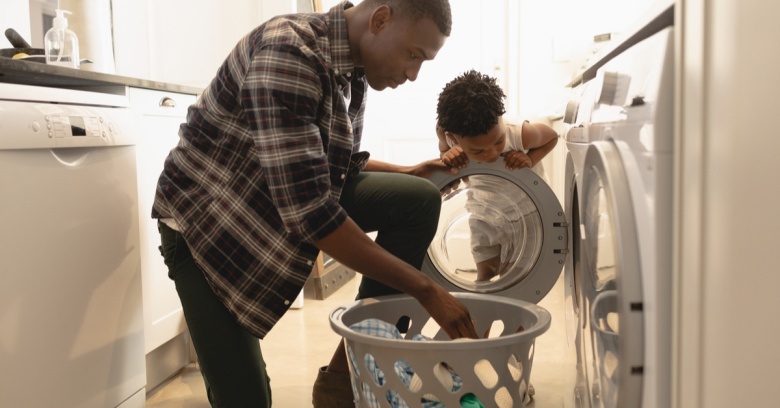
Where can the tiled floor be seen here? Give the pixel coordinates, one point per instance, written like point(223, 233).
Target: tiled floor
point(304, 341)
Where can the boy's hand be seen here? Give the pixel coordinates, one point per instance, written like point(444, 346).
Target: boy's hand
point(455, 157)
point(517, 160)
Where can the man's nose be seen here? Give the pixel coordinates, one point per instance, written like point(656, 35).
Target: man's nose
point(413, 71)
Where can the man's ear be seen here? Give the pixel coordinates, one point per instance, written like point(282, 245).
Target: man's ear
point(379, 18)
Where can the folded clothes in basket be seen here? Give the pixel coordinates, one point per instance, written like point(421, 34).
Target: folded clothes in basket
point(448, 378)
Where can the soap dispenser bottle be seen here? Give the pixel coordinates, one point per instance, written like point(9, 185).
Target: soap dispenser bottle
point(61, 44)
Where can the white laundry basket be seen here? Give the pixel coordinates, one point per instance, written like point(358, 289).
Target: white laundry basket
point(496, 370)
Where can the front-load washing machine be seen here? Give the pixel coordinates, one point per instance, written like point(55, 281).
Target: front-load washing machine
point(615, 236)
point(625, 217)
point(578, 110)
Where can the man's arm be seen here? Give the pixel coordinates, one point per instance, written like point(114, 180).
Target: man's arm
point(423, 169)
point(350, 246)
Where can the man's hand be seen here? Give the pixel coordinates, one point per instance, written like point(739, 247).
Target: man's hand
point(427, 168)
point(449, 313)
point(423, 169)
point(455, 157)
point(517, 160)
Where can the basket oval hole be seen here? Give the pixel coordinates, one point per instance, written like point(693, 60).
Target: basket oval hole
point(395, 400)
point(504, 398)
point(403, 324)
point(447, 377)
point(515, 367)
point(486, 373)
point(353, 361)
point(372, 368)
point(368, 395)
point(496, 329)
point(431, 329)
point(405, 373)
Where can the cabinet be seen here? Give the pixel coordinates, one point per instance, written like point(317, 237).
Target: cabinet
point(158, 115)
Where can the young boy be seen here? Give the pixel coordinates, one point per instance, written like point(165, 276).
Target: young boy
point(471, 127)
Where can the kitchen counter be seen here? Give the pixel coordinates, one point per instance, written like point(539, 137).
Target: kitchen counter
point(39, 74)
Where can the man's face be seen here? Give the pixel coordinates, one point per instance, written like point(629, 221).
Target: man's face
point(484, 148)
point(396, 48)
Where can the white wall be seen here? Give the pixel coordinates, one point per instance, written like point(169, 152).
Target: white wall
point(183, 41)
point(15, 14)
point(534, 48)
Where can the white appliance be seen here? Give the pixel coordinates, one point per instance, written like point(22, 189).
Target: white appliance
point(725, 269)
point(619, 197)
point(71, 316)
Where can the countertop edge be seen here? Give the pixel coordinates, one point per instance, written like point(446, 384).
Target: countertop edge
point(38, 74)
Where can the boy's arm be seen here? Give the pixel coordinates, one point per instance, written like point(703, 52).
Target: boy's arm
point(453, 157)
point(443, 146)
point(539, 139)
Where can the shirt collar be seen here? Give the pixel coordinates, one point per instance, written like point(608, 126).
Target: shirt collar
point(341, 56)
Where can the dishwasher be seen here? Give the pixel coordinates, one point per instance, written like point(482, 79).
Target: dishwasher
point(71, 312)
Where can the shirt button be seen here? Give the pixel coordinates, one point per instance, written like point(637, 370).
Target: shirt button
point(336, 71)
point(310, 263)
point(349, 74)
point(286, 302)
point(343, 176)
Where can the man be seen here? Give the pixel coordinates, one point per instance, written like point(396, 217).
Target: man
point(268, 172)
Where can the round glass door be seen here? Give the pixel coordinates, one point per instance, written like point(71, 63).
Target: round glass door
point(499, 231)
point(611, 284)
point(489, 236)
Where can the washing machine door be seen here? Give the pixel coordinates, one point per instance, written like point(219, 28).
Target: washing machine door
point(500, 231)
point(611, 282)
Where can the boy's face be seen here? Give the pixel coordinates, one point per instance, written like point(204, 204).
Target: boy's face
point(396, 48)
point(484, 148)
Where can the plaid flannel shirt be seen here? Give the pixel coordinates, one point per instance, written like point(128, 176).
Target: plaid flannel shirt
point(256, 176)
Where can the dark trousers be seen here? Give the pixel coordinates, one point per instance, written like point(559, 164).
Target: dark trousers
point(404, 210)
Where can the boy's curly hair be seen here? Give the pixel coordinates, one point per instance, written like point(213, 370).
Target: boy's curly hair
point(470, 104)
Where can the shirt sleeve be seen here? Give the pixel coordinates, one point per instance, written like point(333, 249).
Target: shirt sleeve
point(282, 97)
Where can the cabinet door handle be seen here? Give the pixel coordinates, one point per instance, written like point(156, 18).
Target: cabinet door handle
point(168, 102)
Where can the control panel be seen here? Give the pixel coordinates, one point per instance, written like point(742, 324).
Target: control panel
point(28, 125)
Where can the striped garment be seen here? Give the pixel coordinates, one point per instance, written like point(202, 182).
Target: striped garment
point(261, 161)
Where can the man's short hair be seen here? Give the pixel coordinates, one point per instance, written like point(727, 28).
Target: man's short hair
point(437, 10)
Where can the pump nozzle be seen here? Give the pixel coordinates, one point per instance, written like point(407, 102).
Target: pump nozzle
point(60, 21)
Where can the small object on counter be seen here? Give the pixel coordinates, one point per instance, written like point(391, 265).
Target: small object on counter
point(20, 55)
point(61, 44)
point(16, 40)
point(11, 52)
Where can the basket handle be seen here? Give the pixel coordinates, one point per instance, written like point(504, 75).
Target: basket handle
point(336, 313)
